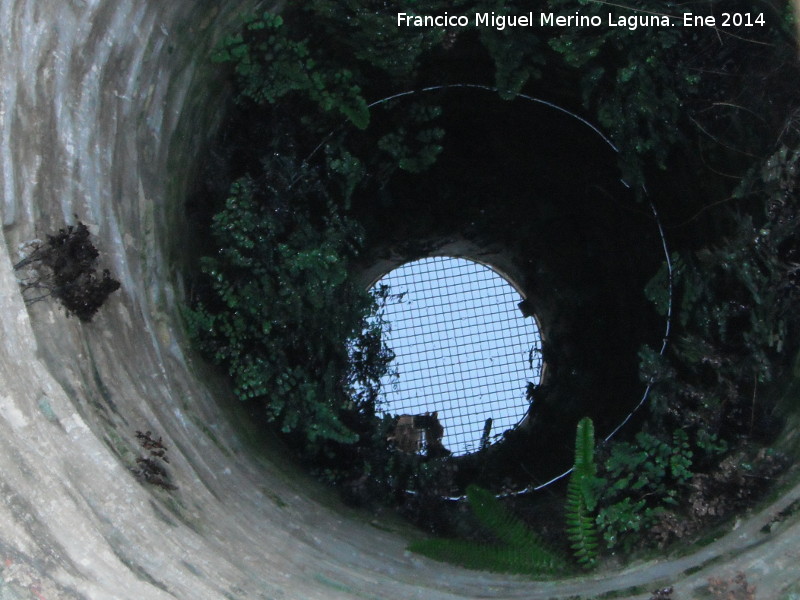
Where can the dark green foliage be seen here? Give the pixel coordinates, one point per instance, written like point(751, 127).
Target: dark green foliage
point(517, 549)
point(518, 54)
point(652, 465)
point(655, 93)
point(581, 498)
point(643, 479)
point(368, 32)
point(499, 521)
point(282, 313)
point(65, 269)
point(270, 65)
point(651, 93)
point(735, 324)
point(736, 308)
point(414, 153)
point(323, 62)
point(638, 98)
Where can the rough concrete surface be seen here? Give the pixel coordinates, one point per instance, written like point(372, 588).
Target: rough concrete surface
point(103, 107)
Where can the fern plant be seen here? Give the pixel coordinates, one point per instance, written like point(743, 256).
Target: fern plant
point(581, 498)
point(270, 65)
point(644, 479)
point(519, 550)
point(281, 311)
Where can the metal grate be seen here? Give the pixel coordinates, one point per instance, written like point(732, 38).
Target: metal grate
point(463, 349)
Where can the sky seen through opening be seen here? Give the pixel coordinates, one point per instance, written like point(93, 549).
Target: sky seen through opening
point(463, 348)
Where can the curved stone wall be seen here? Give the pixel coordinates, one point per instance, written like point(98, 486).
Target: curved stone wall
point(104, 106)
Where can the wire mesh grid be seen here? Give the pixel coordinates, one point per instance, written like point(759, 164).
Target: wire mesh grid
point(462, 349)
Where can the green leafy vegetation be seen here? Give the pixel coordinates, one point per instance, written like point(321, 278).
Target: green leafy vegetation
point(643, 478)
point(514, 549)
point(639, 98)
point(737, 304)
point(270, 65)
point(581, 499)
point(282, 314)
point(654, 93)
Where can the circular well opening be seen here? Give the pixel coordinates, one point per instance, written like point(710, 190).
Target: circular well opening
point(464, 352)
